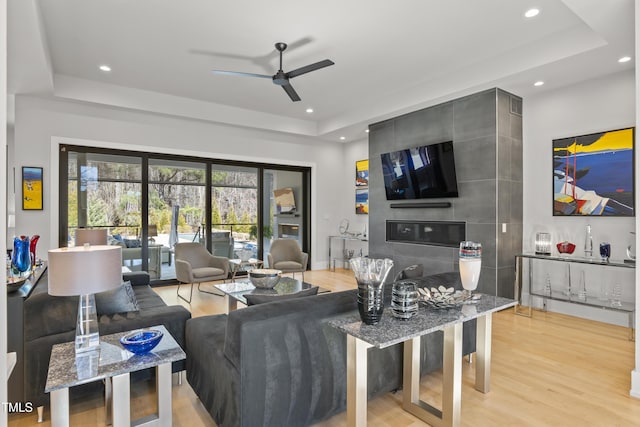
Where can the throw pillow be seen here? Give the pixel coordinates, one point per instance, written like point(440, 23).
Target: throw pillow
point(132, 243)
point(119, 300)
point(253, 299)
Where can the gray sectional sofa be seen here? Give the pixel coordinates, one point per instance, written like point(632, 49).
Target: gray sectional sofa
point(51, 320)
point(280, 364)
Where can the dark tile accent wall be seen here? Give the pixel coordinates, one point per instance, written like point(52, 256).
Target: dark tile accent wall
point(487, 139)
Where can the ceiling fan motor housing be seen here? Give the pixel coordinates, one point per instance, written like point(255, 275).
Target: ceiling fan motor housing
point(280, 78)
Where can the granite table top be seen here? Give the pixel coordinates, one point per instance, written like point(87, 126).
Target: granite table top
point(286, 285)
point(391, 330)
point(68, 370)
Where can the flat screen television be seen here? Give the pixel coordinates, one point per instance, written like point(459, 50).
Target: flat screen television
point(423, 172)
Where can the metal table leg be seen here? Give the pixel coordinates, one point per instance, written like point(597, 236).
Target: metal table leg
point(60, 408)
point(356, 382)
point(449, 416)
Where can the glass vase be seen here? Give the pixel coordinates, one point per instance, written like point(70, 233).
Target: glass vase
point(32, 249)
point(21, 256)
point(469, 264)
point(370, 274)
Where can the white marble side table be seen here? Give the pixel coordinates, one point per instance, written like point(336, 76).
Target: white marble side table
point(114, 364)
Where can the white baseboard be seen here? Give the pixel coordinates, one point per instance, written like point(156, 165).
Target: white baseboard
point(635, 384)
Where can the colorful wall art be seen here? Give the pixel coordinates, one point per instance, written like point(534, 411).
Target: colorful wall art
point(593, 174)
point(31, 188)
point(362, 187)
point(362, 173)
point(362, 201)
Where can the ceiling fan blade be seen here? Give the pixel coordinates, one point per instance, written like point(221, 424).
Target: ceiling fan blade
point(238, 73)
point(309, 68)
point(291, 92)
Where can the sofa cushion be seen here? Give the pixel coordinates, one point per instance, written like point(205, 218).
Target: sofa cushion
point(253, 299)
point(136, 278)
point(199, 273)
point(241, 322)
point(287, 265)
point(120, 300)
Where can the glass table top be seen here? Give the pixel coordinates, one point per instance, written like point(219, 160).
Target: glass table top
point(286, 285)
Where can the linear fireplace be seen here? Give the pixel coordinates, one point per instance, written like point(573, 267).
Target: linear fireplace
point(437, 233)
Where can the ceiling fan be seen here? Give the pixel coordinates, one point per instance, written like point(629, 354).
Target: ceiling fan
point(281, 78)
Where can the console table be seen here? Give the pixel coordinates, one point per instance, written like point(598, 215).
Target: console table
point(15, 331)
point(390, 331)
point(556, 294)
point(342, 257)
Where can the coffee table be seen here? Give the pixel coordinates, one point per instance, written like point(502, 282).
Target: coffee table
point(235, 292)
point(237, 265)
point(113, 364)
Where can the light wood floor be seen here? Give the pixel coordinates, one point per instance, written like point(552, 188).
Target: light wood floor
point(550, 370)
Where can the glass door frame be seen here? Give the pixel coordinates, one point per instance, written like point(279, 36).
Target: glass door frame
point(210, 162)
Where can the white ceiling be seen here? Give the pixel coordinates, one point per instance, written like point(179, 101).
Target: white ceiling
point(390, 57)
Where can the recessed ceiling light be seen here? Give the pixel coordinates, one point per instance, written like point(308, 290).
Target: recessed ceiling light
point(538, 83)
point(366, 130)
point(624, 59)
point(309, 110)
point(342, 138)
point(531, 13)
point(105, 68)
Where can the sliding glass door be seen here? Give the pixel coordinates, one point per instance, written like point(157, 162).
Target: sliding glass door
point(149, 202)
point(234, 210)
point(176, 210)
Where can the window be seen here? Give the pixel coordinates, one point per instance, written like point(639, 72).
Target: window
point(149, 201)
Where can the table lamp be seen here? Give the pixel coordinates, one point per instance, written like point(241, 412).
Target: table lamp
point(84, 271)
point(92, 236)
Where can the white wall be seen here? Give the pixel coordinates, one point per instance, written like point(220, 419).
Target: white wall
point(42, 123)
point(3, 213)
point(597, 105)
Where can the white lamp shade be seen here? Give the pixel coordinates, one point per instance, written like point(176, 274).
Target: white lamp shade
point(92, 236)
point(84, 270)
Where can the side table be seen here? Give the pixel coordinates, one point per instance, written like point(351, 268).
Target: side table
point(237, 265)
point(390, 331)
point(114, 364)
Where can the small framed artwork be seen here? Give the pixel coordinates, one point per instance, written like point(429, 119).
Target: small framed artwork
point(593, 175)
point(362, 201)
point(362, 173)
point(32, 182)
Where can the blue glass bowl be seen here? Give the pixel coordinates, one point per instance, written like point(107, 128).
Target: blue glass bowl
point(141, 341)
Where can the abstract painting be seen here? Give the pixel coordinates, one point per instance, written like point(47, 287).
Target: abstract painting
point(31, 188)
point(362, 173)
point(593, 175)
point(362, 201)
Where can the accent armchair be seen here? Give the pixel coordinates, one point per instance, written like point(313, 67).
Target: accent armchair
point(194, 264)
point(285, 255)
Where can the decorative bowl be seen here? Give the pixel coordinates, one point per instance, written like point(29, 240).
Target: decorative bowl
point(442, 297)
point(15, 283)
point(264, 278)
point(141, 341)
point(566, 247)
